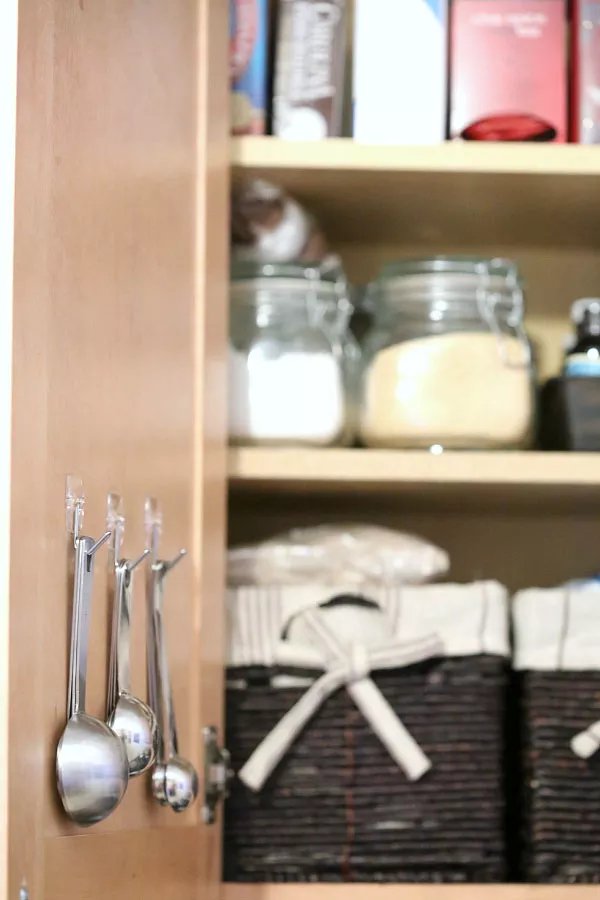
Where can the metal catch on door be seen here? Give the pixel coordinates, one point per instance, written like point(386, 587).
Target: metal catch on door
point(217, 774)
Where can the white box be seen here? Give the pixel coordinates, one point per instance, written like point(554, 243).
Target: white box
point(400, 71)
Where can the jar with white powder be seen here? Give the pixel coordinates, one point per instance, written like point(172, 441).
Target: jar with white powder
point(290, 355)
point(447, 362)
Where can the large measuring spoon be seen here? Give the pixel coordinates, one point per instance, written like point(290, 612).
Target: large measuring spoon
point(130, 718)
point(174, 779)
point(91, 763)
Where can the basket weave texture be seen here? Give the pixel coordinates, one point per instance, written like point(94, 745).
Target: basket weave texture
point(338, 809)
point(561, 802)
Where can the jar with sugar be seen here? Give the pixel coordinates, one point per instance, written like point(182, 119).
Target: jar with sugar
point(447, 362)
point(291, 355)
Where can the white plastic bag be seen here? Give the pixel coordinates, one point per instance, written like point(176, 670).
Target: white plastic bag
point(347, 555)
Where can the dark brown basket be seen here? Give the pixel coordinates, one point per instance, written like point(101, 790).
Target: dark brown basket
point(339, 809)
point(561, 804)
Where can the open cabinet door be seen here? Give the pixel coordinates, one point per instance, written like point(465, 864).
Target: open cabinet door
point(118, 376)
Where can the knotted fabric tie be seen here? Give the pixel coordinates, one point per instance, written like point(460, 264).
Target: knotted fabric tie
point(587, 742)
point(349, 666)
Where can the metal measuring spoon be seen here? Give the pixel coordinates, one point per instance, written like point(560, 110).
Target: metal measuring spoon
point(130, 718)
point(91, 763)
point(174, 779)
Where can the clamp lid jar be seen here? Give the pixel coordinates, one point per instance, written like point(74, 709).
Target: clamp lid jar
point(290, 355)
point(447, 361)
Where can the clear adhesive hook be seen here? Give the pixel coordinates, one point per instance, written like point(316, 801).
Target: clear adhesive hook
point(115, 523)
point(153, 525)
point(74, 506)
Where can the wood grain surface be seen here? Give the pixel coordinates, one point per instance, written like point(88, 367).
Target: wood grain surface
point(119, 323)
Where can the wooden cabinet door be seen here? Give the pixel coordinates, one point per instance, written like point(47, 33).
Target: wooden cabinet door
point(118, 375)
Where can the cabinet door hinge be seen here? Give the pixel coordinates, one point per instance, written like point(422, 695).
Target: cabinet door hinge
point(217, 774)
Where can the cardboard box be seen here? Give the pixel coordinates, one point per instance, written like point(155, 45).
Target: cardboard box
point(400, 71)
point(586, 72)
point(248, 54)
point(508, 70)
point(309, 69)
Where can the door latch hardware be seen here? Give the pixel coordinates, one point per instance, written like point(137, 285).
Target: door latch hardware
point(217, 774)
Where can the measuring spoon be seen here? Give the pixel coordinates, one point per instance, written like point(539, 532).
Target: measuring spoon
point(130, 718)
point(91, 763)
point(174, 779)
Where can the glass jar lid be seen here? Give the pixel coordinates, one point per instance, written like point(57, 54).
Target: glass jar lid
point(283, 285)
point(463, 286)
point(296, 271)
point(469, 266)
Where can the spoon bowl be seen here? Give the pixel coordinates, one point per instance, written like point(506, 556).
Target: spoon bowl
point(135, 724)
point(181, 783)
point(91, 768)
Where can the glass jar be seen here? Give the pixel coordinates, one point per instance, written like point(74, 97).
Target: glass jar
point(290, 355)
point(447, 362)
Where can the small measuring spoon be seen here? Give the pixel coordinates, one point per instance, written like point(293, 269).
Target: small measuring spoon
point(91, 763)
point(130, 718)
point(174, 779)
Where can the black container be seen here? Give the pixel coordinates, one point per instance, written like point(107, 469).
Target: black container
point(570, 414)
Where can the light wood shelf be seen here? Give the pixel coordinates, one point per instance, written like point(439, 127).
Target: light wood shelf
point(570, 476)
point(453, 156)
point(477, 193)
point(406, 892)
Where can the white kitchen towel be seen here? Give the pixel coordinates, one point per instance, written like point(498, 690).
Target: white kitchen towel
point(467, 619)
point(557, 629)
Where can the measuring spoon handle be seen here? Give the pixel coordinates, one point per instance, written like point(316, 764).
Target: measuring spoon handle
point(123, 667)
point(124, 589)
point(164, 677)
point(159, 681)
point(78, 576)
point(155, 693)
point(85, 550)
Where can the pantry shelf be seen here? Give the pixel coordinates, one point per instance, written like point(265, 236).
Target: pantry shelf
point(536, 475)
point(407, 892)
point(468, 193)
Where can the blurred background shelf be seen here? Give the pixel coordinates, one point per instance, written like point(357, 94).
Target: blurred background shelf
point(423, 194)
point(452, 156)
point(495, 474)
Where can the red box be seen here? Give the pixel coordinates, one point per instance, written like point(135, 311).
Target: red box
point(585, 104)
point(508, 71)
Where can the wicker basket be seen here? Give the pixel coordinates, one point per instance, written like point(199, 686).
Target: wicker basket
point(557, 637)
point(338, 807)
